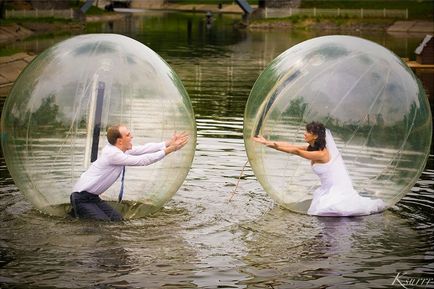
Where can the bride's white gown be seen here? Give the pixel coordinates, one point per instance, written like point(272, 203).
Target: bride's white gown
point(336, 195)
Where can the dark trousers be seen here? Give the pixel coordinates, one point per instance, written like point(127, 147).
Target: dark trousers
point(90, 206)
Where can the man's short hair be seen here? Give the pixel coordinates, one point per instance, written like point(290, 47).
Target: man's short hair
point(113, 134)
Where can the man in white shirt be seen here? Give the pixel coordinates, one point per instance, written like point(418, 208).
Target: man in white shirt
point(103, 172)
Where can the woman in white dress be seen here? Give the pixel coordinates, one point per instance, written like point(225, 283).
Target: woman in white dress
point(336, 195)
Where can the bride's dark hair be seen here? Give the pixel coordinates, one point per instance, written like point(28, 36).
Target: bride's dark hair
point(318, 129)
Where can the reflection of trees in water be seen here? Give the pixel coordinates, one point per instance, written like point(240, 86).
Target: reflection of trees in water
point(191, 30)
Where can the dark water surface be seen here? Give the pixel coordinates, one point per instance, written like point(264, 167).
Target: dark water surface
point(200, 238)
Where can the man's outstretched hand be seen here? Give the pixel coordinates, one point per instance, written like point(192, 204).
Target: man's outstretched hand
point(175, 137)
point(176, 142)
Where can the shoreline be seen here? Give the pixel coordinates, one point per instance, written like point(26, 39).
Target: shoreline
point(19, 31)
point(389, 26)
point(336, 24)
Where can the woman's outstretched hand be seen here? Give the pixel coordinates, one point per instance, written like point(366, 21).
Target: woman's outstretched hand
point(260, 139)
point(292, 149)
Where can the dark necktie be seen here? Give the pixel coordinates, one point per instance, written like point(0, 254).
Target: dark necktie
point(121, 192)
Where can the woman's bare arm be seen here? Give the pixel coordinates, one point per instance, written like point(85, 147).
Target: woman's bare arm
point(316, 156)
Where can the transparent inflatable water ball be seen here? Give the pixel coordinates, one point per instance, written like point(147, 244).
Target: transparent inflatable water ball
point(370, 100)
point(55, 117)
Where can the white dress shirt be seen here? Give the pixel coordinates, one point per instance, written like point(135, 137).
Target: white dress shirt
point(103, 172)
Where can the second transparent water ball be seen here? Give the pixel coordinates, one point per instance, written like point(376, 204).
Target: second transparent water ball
point(371, 101)
point(55, 117)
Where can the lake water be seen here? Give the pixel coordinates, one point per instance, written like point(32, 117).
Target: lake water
point(201, 238)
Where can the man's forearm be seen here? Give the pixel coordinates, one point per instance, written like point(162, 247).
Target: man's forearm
point(147, 148)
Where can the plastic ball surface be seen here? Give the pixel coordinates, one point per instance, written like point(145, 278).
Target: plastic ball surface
point(370, 100)
point(55, 117)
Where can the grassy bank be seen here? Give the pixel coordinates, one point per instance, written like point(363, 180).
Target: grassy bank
point(322, 23)
point(54, 26)
point(417, 9)
point(9, 51)
point(26, 20)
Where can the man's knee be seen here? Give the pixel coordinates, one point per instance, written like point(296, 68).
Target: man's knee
point(110, 211)
point(85, 207)
point(91, 211)
point(92, 207)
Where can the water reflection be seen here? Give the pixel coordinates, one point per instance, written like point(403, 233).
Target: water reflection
point(38, 250)
point(336, 252)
